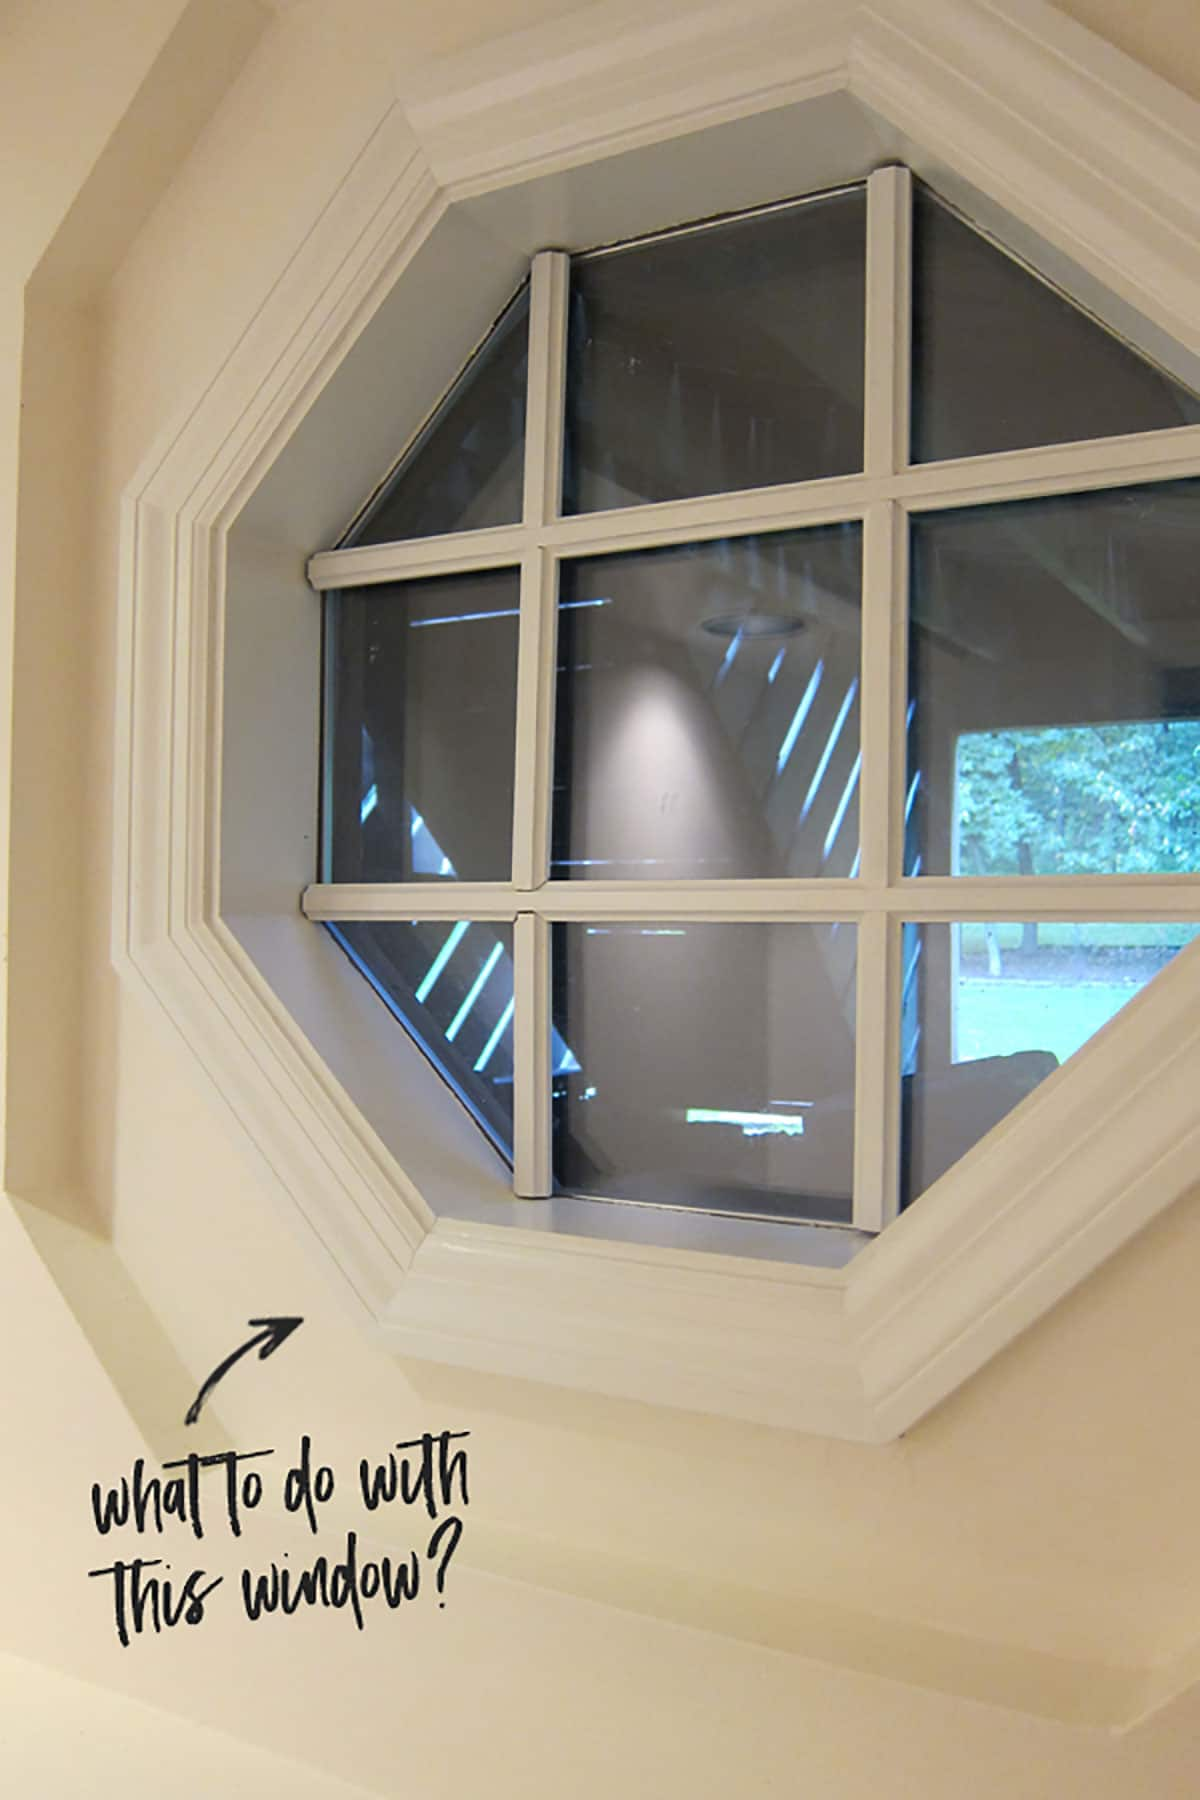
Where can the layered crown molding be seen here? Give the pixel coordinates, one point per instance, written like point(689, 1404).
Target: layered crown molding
point(1096, 159)
point(1009, 97)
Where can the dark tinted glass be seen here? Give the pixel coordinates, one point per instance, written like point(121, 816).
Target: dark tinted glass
point(450, 983)
point(1002, 361)
point(707, 718)
point(423, 679)
point(715, 1065)
point(991, 1009)
point(729, 357)
point(1055, 685)
point(466, 469)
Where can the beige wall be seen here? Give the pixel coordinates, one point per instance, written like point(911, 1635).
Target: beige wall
point(1162, 34)
point(643, 1600)
point(63, 1739)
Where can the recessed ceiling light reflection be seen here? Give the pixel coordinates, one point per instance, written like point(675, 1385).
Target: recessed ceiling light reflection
point(754, 625)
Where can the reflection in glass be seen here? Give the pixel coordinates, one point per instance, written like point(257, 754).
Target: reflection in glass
point(1002, 361)
point(1055, 686)
point(991, 1009)
point(466, 468)
point(423, 679)
point(724, 357)
point(707, 716)
point(715, 1065)
point(450, 984)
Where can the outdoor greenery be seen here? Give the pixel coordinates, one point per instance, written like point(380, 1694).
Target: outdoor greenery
point(1000, 1018)
point(1080, 800)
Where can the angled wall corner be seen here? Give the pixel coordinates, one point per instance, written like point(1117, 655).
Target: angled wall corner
point(109, 152)
point(397, 279)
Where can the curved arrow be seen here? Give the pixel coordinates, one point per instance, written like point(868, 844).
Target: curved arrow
point(274, 1333)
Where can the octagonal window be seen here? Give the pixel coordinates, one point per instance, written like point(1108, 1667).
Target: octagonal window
point(762, 708)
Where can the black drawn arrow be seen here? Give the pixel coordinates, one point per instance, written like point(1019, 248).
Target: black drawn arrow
point(274, 1332)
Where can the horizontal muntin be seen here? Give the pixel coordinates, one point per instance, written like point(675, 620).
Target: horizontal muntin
point(414, 559)
point(1171, 898)
point(1137, 460)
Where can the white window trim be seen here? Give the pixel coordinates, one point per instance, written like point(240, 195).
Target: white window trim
point(961, 90)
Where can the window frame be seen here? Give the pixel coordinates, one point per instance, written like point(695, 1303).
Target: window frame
point(576, 129)
point(880, 899)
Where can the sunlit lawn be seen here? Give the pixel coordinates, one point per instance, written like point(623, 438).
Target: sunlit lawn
point(999, 1016)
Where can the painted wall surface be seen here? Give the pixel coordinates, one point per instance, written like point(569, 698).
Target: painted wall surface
point(1159, 33)
point(645, 1602)
point(66, 1738)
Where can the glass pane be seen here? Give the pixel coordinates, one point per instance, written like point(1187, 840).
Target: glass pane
point(450, 984)
point(1002, 361)
point(991, 1009)
point(1055, 686)
point(725, 357)
point(740, 1094)
point(423, 682)
point(707, 718)
point(466, 468)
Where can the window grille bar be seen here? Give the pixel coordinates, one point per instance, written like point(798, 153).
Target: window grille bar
point(882, 638)
point(533, 780)
point(889, 288)
point(532, 794)
point(538, 629)
point(927, 898)
point(898, 710)
point(416, 558)
point(739, 513)
point(544, 407)
point(885, 611)
point(1130, 461)
point(380, 900)
point(1172, 454)
point(876, 1187)
point(532, 1173)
